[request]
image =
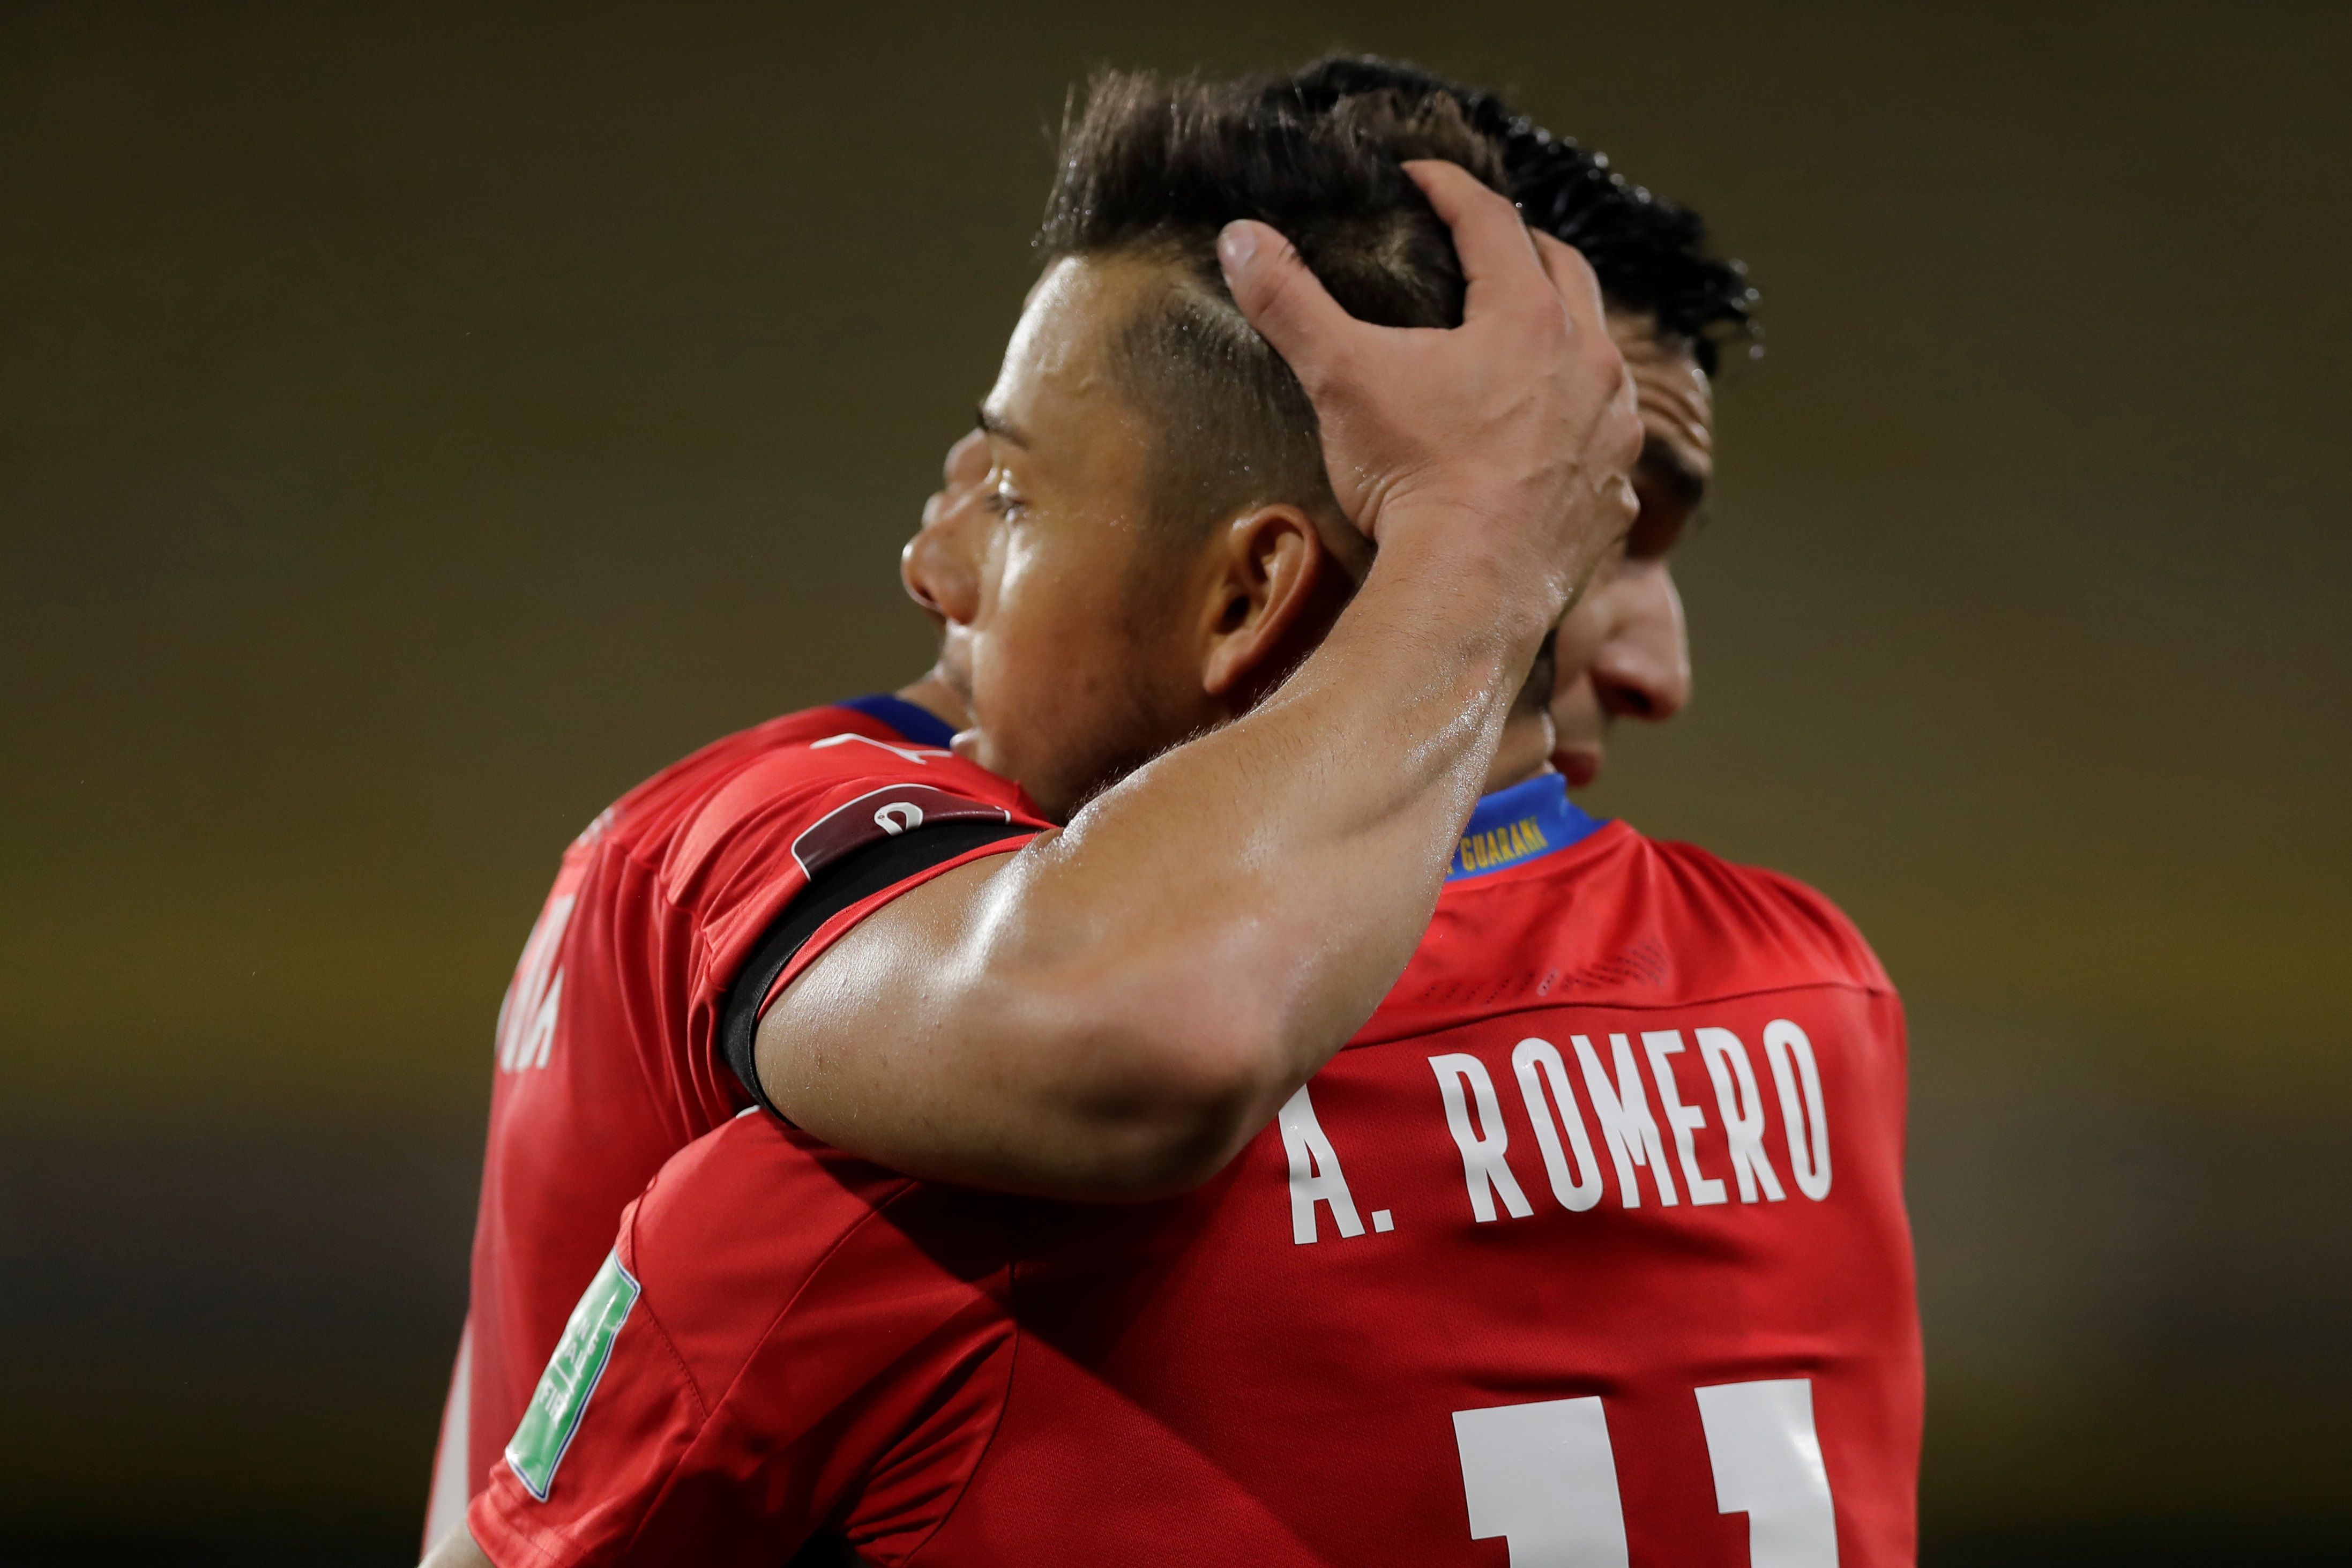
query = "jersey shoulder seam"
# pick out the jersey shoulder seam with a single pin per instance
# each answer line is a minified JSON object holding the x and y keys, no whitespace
{"x":700,"y":947}
{"x":633,"y":851}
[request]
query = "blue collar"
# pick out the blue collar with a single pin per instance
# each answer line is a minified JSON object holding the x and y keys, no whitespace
{"x":1518,"y":824}
{"x":919,"y":725}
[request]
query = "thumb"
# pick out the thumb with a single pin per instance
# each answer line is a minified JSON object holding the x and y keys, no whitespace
{"x":1285,"y":303}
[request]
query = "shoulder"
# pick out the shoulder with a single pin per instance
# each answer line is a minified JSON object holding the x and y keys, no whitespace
{"x":734,"y":1227}
{"x":814,"y":797}
{"x":718,"y":1201}
{"x":757,"y":1235}
{"x":1762,"y":912}
{"x":1621,"y":920}
{"x":784,"y":1337}
{"x":658,"y":806}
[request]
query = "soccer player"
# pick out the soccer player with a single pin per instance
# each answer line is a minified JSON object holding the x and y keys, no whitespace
{"x":1590,"y":1243}
{"x":594,"y":1089}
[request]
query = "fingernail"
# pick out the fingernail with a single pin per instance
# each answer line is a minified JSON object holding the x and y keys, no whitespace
{"x":1236,"y":245}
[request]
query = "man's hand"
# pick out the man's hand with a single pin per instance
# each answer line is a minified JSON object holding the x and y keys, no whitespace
{"x":1504,"y":443}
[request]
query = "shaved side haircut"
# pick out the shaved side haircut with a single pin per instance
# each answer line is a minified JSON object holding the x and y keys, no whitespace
{"x":1153,"y":169}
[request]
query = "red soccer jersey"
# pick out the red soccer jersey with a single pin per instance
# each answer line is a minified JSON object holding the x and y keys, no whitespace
{"x":607,"y":1061}
{"x":1589,"y":1250}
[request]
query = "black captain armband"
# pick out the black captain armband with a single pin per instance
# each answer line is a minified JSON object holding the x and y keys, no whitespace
{"x":856,"y":876}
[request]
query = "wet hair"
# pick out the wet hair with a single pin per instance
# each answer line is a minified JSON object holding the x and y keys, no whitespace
{"x":1154,"y":169}
{"x":1650,"y":255}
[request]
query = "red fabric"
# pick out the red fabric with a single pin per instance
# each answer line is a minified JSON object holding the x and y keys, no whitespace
{"x":653,"y":911}
{"x":956,"y":1380}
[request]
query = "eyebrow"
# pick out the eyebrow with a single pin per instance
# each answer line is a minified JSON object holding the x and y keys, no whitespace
{"x":1000,"y":428}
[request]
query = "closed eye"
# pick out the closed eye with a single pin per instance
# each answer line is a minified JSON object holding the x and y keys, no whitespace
{"x":1673,"y":496}
{"x":1003,"y":500}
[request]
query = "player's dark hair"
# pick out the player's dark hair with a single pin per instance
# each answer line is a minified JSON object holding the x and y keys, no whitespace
{"x":1650,"y":256}
{"x":1155,"y":168}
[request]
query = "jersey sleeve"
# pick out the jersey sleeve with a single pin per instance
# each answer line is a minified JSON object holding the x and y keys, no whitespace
{"x":805,"y":843}
{"x":785,"y":1342}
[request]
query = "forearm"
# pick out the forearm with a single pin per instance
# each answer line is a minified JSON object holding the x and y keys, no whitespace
{"x":1289,"y":860}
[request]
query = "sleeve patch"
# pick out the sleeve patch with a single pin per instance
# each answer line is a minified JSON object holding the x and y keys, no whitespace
{"x":880,"y":814}
{"x":556,"y":1405}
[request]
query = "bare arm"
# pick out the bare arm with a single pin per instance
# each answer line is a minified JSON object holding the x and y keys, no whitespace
{"x":458,"y":1550}
{"x":1113,"y":1010}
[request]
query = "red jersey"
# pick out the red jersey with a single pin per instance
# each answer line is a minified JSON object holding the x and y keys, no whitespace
{"x":1589,"y":1250}
{"x":607,"y":1056}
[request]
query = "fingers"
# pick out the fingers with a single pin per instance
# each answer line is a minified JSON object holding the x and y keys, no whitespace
{"x":1489,"y":236}
{"x":1580,"y":291}
{"x":1572,"y":276}
{"x":1285,"y":301}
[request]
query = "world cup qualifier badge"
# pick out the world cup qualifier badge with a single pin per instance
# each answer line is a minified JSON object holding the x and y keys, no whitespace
{"x":562,"y":1396}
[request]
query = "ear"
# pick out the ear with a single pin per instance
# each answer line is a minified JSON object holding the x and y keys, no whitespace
{"x":1273,"y":588}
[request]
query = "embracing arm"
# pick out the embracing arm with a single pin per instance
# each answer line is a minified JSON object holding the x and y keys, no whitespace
{"x":1116,"y":1009}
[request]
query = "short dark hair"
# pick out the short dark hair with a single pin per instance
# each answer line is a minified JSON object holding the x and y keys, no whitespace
{"x":1155,"y":168}
{"x":1650,"y":255}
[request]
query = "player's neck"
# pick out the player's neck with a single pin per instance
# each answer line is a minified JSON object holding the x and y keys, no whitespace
{"x":1525,"y":753}
{"x":934,"y":697}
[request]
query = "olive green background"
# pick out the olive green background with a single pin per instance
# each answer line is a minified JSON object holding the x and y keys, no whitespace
{"x":418,"y":423}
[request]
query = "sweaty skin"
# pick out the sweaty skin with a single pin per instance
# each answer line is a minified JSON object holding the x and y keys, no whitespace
{"x":1030,"y":1022}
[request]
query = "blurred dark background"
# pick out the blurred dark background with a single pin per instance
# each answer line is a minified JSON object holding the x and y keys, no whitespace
{"x":418,"y":423}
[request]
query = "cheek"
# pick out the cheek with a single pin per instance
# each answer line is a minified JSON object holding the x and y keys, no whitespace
{"x":1033,"y":615}
{"x":985,"y":642}
{"x":1033,"y":657}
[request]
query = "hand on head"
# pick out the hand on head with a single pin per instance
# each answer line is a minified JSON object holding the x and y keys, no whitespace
{"x":1505,"y":443}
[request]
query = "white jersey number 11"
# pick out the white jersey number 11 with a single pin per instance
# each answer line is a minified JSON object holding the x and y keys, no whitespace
{"x":1542,"y":1476}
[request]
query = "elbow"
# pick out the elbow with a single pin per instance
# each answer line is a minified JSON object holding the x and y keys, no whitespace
{"x":1186,"y":1121}
{"x":1170,"y":1095}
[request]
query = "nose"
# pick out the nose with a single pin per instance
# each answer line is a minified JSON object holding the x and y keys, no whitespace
{"x":938,"y":570}
{"x":937,"y":566}
{"x":1641,"y":668}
